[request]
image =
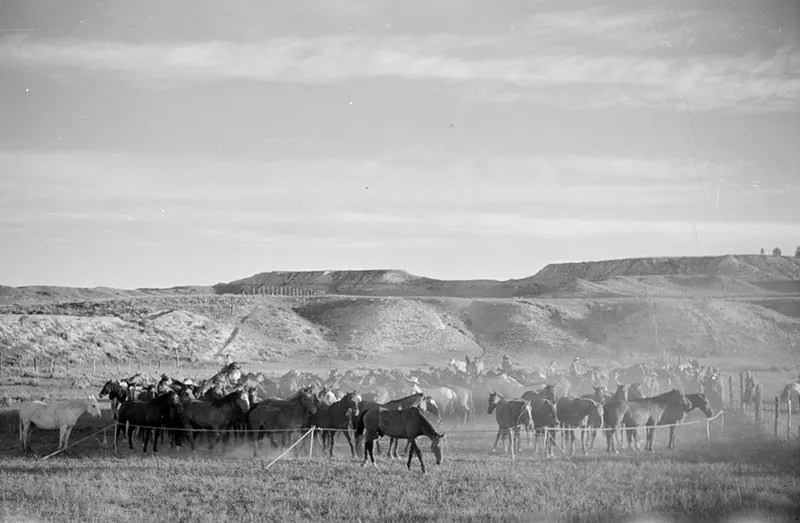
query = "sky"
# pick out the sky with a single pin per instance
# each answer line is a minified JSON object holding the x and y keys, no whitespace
{"x":162,"y":143}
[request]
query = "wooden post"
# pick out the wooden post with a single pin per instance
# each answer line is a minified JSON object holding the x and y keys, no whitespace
{"x":35,"y":368}
{"x":789,"y":417}
{"x":758,"y":405}
{"x":741,"y":391}
{"x":94,"y":366}
{"x":1,"y":363}
{"x":119,"y":372}
{"x":777,"y":414}
{"x":177,"y":358}
{"x":66,"y":365}
{"x":52,"y":366}
{"x":730,"y":393}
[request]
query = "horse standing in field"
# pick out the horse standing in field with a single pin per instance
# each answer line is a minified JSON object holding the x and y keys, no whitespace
{"x":510,"y":415}
{"x":545,"y":418}
{"x":117,"y":392}
{"x":409,"y":424}
{"x":335,"y":417}
{"x":61,"y":415}
{"x":791,"y":392}
{"x":650,"y":412}
{"x":579,"y":413}
{"x":148,"y":416}
{"x":283,"y":415}
{"x":547,"y":392}
{"x":216,"y":416}
{"x":675,"y":413}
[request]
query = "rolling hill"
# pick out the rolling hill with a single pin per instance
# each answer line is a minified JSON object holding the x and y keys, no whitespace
{"x":725,"y":306}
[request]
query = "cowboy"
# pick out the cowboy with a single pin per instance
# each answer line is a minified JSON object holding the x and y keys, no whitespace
{"x":574,"y":367}
{"x":506,"y":365}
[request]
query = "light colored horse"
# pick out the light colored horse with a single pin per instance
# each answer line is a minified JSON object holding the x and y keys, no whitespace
{"x":444,"y":397}
{"x":61,"y":415}
{"x":791,"y":391}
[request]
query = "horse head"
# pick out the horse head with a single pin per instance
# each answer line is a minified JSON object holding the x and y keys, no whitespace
{"x":307,"y":399}
{"x":700,"y":402}
{"x":92,"y":407}
{"x":494,"y":399}
{"x":242,"y":400}
{"x":106,"y":390}
{"x":436,"y":447}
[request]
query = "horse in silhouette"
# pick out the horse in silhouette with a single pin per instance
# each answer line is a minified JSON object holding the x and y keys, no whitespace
{"x":214,"y":416}
{"x":417,"y":400}
{"x":61,"y":415}
{"x":510,"y":416}
{"x":579,"y":413}
{"x":117,"y":392}
{"x":149,"y":417}
{"x":409,"y":424}
{"x":281,"y":415}
{"x":337,"y":416}
{"x":676,"y":412}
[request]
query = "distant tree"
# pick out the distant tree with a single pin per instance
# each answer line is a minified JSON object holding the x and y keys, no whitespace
{"x":762,"y":251}
{"x":797,"y":252}
{"x":776,"y":251}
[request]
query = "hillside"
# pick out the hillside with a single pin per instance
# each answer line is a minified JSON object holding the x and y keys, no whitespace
{"x":604,"y":311}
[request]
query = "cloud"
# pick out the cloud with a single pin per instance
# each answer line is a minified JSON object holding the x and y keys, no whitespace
{"x":501,"y":70}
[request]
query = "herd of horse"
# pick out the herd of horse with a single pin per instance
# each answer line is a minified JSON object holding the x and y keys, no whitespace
{"x":235,"y":407}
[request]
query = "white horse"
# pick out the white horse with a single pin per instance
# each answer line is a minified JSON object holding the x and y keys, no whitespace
{"x":61,"y":415}
{"x":791,"y":392}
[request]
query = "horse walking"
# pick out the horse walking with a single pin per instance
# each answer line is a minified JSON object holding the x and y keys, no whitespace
{"x":579,"y":413}
{"x":409,"y":424}
{"x":650,"y":412}
{"x":149,"y":416}
{"x":61,"y":415}
{"x":216,"y":416}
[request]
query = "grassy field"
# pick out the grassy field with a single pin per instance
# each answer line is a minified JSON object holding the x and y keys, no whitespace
{"x":742,"y":472}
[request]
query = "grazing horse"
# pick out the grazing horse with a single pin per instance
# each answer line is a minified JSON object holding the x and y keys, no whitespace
{"x":149,"y":416}
{"x":215,"y":415}
{"x":117,"y":392}
{"x":275,"y":414}
{"x":418,"y":400}
{"x":579,"y":413}
{"x":61,"y":415}
{"x":510,"y":415}
{"x":400,"y":424}
{"x":649,"y":412}
{"x":337,"y":416}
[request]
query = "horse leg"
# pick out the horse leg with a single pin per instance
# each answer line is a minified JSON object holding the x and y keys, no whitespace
{"x":671,"y":445}
{"x":651,"y":431}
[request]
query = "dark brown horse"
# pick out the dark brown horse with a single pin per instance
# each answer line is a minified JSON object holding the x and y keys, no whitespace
{"x":675,"y":413}
{"x":649,"y":412}
{"x":409,"y":424}
{"x":510,"y":416}
{"x":416,"y":400}
{"x":579,"y":413}
{"x":117,"y":392}
{"x":214,"y":416}
{"x":338,"y":416}
{"x":547,"y":392}
{"x":149,"y":417}
{"x":545,"y":418}
{"x":281,"y":415}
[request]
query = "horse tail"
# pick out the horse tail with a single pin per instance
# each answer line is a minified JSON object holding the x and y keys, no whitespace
{"x":360,"y":423}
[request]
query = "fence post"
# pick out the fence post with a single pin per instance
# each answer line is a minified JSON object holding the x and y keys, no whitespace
{"x":777,"y":414}
{"x":730,"y":393}
{"x":311,"y":445}
{"x":94,"y":366}
{"x":741,"y":391}
{"x":177,"y":358}
{"x":119,"y":371}
{"x":52,"y":366}
{"x":789,"y":417}
{"x":758,"y":405}
{"x":1,"y":363}
{"x":35,"y":368}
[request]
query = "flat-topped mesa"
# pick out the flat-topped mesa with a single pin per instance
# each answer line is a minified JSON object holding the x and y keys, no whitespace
{"x":747,"y":267}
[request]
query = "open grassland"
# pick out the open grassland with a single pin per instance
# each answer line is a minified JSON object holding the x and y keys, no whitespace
{"x":742,"y":472}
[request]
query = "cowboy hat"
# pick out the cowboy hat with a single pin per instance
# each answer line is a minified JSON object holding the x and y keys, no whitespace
{"x":413,"y":379}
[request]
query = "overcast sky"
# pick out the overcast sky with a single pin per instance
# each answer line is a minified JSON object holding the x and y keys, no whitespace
{"x":157,"y":143}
